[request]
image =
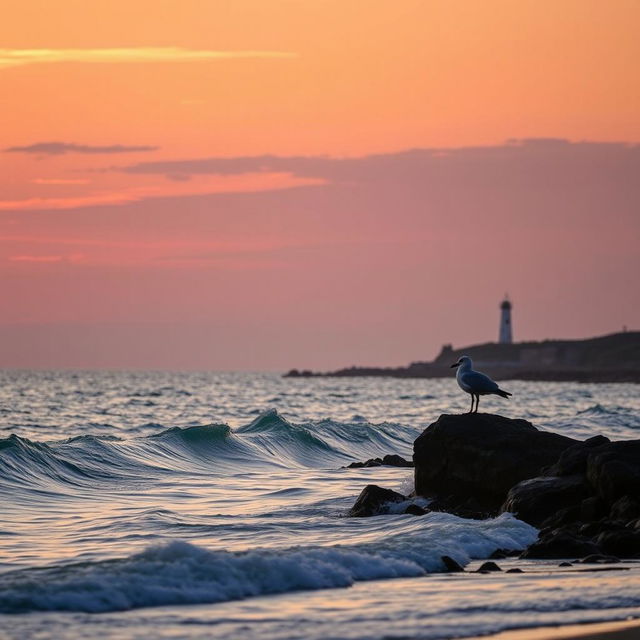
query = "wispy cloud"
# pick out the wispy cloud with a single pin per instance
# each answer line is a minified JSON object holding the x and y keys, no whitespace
{"x":245,"y":183}
{"x":60,"y":181}
{"x":20,"y":57}
{"x":60,"y":148}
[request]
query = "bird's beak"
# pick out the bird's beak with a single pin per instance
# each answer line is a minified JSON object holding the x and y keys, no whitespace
{"x":454,"y":365}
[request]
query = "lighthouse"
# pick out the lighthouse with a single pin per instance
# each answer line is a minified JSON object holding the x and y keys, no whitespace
{"x":506,"y":336}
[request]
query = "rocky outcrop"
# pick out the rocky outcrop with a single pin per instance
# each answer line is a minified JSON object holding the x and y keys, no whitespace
{"x":583,"y":496}
{"x":374,"y":500}
{"x":469,"y":462}
{"x":587,"y":502}
{"x":538,"y":499}
{"x":390,"y":460}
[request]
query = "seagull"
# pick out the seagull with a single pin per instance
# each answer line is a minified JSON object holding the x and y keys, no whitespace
{"x":475,"y":383}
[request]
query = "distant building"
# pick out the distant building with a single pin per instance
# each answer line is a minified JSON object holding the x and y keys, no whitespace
{"x":506,"y":334}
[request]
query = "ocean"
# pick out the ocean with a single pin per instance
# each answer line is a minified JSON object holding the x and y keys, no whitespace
{"x":213,"y":505}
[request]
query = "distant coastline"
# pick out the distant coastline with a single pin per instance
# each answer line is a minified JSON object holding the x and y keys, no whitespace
{"x":609,"y":358}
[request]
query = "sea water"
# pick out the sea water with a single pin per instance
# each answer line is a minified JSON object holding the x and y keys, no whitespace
{"x":207,"y":505}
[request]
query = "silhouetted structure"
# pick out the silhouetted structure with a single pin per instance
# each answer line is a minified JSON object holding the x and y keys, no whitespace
{"x":506,"y":333}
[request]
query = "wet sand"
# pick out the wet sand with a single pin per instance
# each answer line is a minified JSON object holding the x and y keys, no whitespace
{"x":624,"y":630}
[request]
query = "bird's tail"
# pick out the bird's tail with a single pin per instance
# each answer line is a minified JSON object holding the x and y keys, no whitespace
{"x":504,"y":394}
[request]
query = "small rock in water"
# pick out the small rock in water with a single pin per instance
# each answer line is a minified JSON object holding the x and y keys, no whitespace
{"x":514,"y":570}
{"x":566,"y":564}
{"x":451,"y":565}
{"x":373,"y":500}
{"x":489,"y":566}
{"x":416,"y":510}
{"x":501,"y":554}
{"x":599,"y":559}
{"x":393,"y":460}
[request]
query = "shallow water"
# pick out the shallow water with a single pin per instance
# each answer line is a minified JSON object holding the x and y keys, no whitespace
{"x":221,"y":497}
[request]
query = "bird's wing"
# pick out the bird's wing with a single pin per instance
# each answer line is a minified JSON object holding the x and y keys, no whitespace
{"x":478,"y":382}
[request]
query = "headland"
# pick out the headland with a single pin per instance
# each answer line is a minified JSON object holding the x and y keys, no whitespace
{"x":609,"y":358}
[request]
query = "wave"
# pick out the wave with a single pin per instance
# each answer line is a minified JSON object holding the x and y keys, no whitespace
{"x":268,"y":441}
{"x":182,"y":573}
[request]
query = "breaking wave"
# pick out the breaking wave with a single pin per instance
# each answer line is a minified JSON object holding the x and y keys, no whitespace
{"x":270,"y":440}
{"x":183,"y":573}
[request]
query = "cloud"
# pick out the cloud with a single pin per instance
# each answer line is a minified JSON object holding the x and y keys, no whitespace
{"x":60,"y":181}
{"x":524,"y":154}
{"x":244,"y":183}
{"x":60,"y":148}
{"x":21,"y":57}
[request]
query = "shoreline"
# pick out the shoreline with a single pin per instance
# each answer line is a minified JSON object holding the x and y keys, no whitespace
{"x":628,"y":629}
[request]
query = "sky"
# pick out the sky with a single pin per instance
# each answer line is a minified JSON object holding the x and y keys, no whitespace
{"x":268,"y":184}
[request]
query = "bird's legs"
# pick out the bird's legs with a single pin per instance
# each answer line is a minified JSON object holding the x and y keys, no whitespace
{"x":477,"y":401}
{"x":472,"y":400}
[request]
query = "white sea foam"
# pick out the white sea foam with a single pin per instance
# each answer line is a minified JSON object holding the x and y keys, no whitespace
{"x":183,"y":573}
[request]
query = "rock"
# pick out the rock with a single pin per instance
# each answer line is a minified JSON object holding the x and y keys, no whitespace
{"x":416,"y":510}
{"x":600,"y":559}
{"x":592,"y":508}
{"x":481,"y":456}
{"x":566,"y":564}
{"x":393,"y":460}
{"x":625,"y":508}
{"x":514,"y":570}
{"x":390,"y":460}
{"x":592,"y":529}
{"x":613,"y":470}
{"x":624,"y":543}
{"x":563,"y":518}
{"x":489,"y":566}
{"x":573,"y":460}
{"x":371,"y":462}
{"x":538,"y":499}
{"x":501,"y":554}
{"x":451,"y":565}
{"x":373,"y":500}
{"x":561,"y":545}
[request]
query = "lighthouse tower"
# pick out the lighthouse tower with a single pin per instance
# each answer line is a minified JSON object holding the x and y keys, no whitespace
{"x":506,"y":336}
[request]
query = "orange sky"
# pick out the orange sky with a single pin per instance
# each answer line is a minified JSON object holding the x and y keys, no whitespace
{"x":121,"y":83}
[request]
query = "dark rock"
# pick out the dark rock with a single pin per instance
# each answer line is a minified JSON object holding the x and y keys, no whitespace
{"x":514,"y":570}
{"x":489,"y":566}
{"x":573,"y":460}
{"x":625,"y":508}
{"x":451,"y":565}
{"x":538,"y":499}
{"x":613,"y":470}
{"x":481,"y":456}
{"x":416,"y":510}
{"x":561,"y":545}
{"x":469,"y":508}
{"x":624,"y":543}
{"x":566,"y":564}
{"x":592,"y":508}
{"x":373,"y":500}
{"x":600,"y":559}
{"x":572,"y":529}
{"x":592,"y":529}
{"x":563,"y":518}
{"x":390,"y":460}
{"x":393,"y":460}
{"x":501,"y":554}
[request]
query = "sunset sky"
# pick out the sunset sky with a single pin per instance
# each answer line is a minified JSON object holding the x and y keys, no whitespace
{"x":263,"y":184}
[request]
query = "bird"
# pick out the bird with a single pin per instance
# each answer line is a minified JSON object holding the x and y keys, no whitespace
{"x":476,"y":384}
